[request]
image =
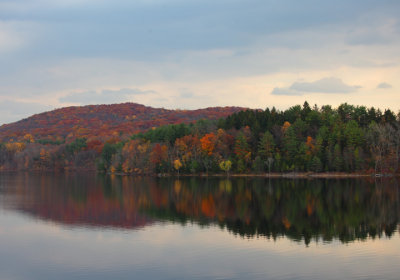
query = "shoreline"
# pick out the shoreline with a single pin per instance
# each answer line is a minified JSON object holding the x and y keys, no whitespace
{"x":291,"y":175}
{"x":296,"y":175}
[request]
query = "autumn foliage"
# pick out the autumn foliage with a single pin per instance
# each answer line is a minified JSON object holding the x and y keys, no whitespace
{"x":207,"y":143}
{"x":102,"y":121}
{"x":300,"y":139}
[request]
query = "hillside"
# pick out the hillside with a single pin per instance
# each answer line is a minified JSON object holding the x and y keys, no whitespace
{"x":104,"y":120}
{"x":349,"y":139}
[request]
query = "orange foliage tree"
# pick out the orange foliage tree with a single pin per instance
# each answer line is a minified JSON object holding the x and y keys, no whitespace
{"x":208,"y":143}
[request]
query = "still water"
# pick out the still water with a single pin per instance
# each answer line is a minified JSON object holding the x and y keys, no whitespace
{"x":71,"y":226}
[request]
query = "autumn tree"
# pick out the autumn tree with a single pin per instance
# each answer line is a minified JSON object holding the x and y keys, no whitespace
{"x":225,"y":165}
{"x":28,"y":138}
{"x":177,"y":165}
{"x":224,"y":143}
{"x":135,"y":157}
{"x":159,"y":156}
{"x":208,"y":143}
{"x":207,"y":146}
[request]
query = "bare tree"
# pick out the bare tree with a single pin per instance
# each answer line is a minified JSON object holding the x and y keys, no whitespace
{"x":377,"y":138}
{"x":269,"y":163}
{"x":394,"y":143}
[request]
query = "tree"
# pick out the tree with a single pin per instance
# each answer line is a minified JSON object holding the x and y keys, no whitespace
{"x":378,"y":142}
{"x":358,"y":158}
{"x":76,"y":146}
{"x":177,"y":165}
{"x":106,"y":155}
{"x":225,"y":165}
{"x":208,"y":144}
{"x":394,"y":136}
{"x":159,"y":155}
{"x":290,"y":146}
{"x":353,"y":134}
{"x":258,"y":165}
{"x":29,"y":138}
{"x":337,"y":158}
{"x":266,"y":146}
{"x":316,"y":164}
{"x":224,"y":143}
{"x":310,"y":149}
{"x":44,"y":159}
{"x":269,"y":162}
{"x":135,"y":156}
{"x":187,"y":148}
{"x":242,"y":151}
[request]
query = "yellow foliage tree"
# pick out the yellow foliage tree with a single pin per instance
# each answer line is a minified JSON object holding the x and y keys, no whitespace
{"x":15,"y":147}
{"x":225,"y":165}
{"x":29,"y":138}
{"x":177,"y":165}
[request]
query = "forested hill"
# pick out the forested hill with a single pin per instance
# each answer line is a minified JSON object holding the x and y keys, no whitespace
{"x":302,"y":138}
{"x":103,"y":120}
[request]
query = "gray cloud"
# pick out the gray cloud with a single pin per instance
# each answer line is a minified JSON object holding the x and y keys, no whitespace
{"x":186,"y":93}
{"x":11,"y":111}
{"x":52,"y":47}
{"x":286,"y":91}
{"x":325,"y":85}
{"x":152,"y":29}
{"x":102,"y":97}
{"x":384,"y":85}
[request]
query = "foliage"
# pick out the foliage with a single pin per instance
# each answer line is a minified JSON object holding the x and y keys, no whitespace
{"x":76,"y":146}
{"x":108,"y":121}
{"x":344,"y":139}
{"x":225,"y":165}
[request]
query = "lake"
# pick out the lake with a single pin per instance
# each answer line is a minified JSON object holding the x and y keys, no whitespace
{"x":88,"y":226}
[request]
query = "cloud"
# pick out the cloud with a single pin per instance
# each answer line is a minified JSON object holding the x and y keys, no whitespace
{"x":384,"y":85}
{"x":11,"y":111}
{"x":286,"y":91}
{"x":153,"y":29}
{"x":51,"y":48}
{"x":103,"y":97}
{"x":186,"y":93}
{"x":15,"y":35}
{"x":325,"y":85}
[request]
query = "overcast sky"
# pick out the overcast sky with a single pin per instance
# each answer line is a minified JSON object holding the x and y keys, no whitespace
{"x":193,"y":54}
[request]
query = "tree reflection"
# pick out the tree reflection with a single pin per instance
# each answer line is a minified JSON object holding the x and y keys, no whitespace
{"x":302,"y":210}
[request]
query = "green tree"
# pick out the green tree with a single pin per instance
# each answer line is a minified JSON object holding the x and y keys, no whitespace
{"x":316,"y":164}
{"x":242,"y":150}
{"x":290,"y":146}
{"x":266,"y":146}
{"x":107,"y":155}
{"x":337,"y":158}
{"x":258,"y":164}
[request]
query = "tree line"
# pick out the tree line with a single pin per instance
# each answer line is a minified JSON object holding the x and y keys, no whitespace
{"x":300,"y":139}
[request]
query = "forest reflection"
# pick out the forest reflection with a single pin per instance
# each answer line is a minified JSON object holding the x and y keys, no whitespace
{"x":301,"y":210}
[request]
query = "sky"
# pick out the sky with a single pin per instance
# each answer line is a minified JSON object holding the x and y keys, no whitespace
{"x":189,"y":54}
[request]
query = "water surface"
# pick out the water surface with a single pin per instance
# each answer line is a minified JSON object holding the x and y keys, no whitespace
{"x":71,"y":226}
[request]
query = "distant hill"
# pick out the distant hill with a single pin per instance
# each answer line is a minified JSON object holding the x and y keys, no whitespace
{"x":104,"y":120}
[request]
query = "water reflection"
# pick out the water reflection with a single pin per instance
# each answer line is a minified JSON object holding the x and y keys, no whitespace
{"x":301,"y":210}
